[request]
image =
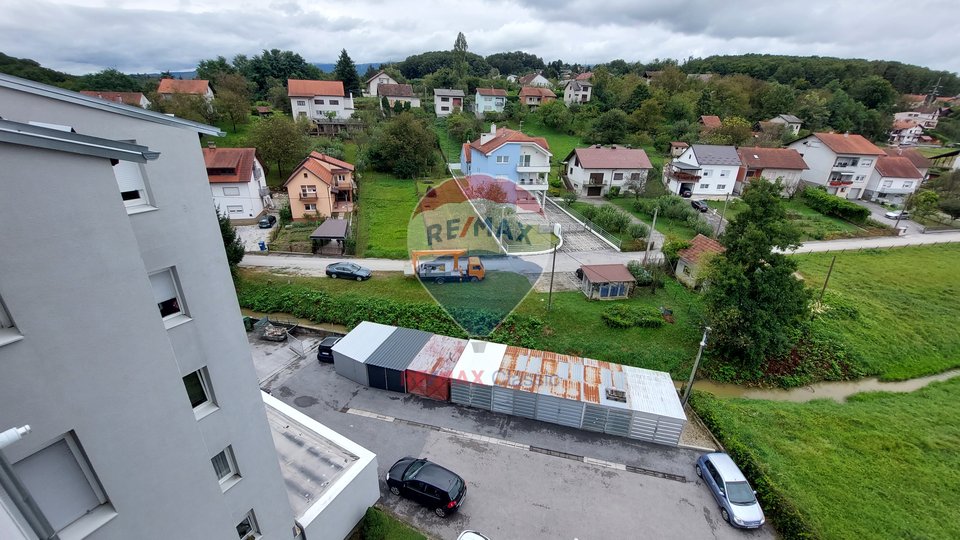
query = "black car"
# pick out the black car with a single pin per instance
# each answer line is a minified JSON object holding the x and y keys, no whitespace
{"x":699,"y":205}
{"x":685,"y":193}
{"x":348,"y":270}
{"x":325,"y":351}
{"x":267,"y":221}
{"x":429,"y":484}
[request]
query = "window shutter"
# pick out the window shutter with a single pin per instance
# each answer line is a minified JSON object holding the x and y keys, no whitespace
{"x":128,"y":176}
{"x":58,"y":484}
{"x":163,"y":286}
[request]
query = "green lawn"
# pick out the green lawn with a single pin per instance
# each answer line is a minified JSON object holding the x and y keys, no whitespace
{"x":673,"y":229}
{"x":448,"y":147}
{"x":882,"y":465}
{"x":293,"y":237}
{"x":380,"y":525}
{"x":385,"y":206}
{"x":904,"y":304}
{"x":812,"y":224}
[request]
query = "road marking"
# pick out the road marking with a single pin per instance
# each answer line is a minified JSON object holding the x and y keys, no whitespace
{"x":368,"y":414}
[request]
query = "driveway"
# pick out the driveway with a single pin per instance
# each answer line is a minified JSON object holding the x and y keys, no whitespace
{"x":251,"y":235}
{"x":526,"y":479}
{"x":877,"y":211}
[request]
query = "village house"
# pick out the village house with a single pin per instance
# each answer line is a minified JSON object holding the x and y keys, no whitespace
{"x":397,"y":92}
{"x":509,"y":155}
{"x":784,"y":164}
{"x":237,"y":182}
{"x":893,"y":180}
{"x":677,"y":148}
{"x":692,"y":259}
{"x":709,"y":122}
{"x":790,"y":122}
{"x":594,"y":170}
{"x":534,"y":96}
{"x":322,"y":102}
{"x":195,"y":87}
{"x":447,"y":101}
{"x":490,"y":100}
{"x":920,"y":161}
{"x":704,"y":171}
{"x":841,"y":162}
{"x":905,"y":132}
{"x":534,"y":79}
{"x":577,"y":91}
{"x":136,"y":99}
{"x":373,"y":82}
{"x":321,"y":186}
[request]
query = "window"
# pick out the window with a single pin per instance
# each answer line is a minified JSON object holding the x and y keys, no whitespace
{"x":310,"y":208}
{"x":63,"y":484}
{"x":503,"y":159}
{"x":618,"y":176}
{"x":167,"y":294}
{"x":866,"y":162}
{"x":707,"y":172}
{"x":888,"y":183}
{"x":570,"y":171}
{"x":248,"y":527}
{"x":225,"y":467}
{"x":318,"y":102}
{"x":231,"y":192}
{"x":302,"y":102}
{"x":334,"y":101}
{"x":721,"y":186}
{"x":199,"y":392}
{"x":704,"y":186}
{"x":860,"y":178}
{"x":445,"y":99}
{"x":234,"y":210}
{"x":444,"y":108}
{"x":302,"y":114}
{"x":724,"y":173}
{"x":130,"y":181}
{"x":907,"y":185}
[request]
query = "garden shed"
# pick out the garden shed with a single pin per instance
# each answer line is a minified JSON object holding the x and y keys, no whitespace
{"x":606,"y":281}
{"x":471,"y":382}
{"x":428,"y":374}
{"x":691,"y":259}
{"x":351,"y":352}
{"x":387,"y":364}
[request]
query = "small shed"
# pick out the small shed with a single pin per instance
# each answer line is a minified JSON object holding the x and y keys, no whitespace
{"x":387,"y":364}
{"x":606,"y":281}
{"x":677,"y":148}
{"x":330,"y":232}
{"x":471,"y":382}
{"x":428,"y":374}
{"x":351,"y":352}
{"x":691,"y":258}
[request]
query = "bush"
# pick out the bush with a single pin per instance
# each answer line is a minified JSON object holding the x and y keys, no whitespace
{"x":643,"y":276}
{"x":670,"y":250}
{"x":613,"y":193}
{"x":286,"y":215}
{"x":611,"y":219}
{"x":626,"y":316}
{"x":638,"y":231}
{"x":569,"y":197}
{"x":589,"y":212}
{"x":831,"y":205}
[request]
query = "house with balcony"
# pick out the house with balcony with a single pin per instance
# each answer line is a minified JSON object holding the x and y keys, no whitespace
{"x":705,"y":171}
{"x":841,"y":162}
{"x":534,"y":96}
{"x":137,"y":99}
{"x":784,"y":164}
{"x":194,"y":87}
{"x":490,"y":100}
{"x":322,"y":102}
{"x":237,"y":182}
{"x":905,"y":133}
{"x":374,"y":82}
{"x":928,"y":120}
{"x":790,"y":123}
{"x":593,"y":171}
{"x":446,"y":101}
{"x":577,"y":91}
{"x":321,"y":186}
{"x":509,"y":155}
{"x":397,"y":92}
{"x":893,"y":180}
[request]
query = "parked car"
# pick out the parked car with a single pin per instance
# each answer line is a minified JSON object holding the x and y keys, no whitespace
{"x":738,"y":501}
{"x":429,"y":484}
{"x":325,"y":350}
{"x":471,"y":535}
{"x":348,"y":270}
{"x":894,"y":214}
{"x":268,"y":221}
{"x":686,"y":193}
{"x":700,"y":206}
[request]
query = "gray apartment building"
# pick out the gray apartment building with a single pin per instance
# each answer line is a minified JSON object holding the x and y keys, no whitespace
{"x":121,"y":344}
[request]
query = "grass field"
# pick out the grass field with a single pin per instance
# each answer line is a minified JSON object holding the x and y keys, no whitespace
{"x":448,"y":147}
{"x":813,"y":225}
{"x":385,"y":206}
{"x":380,"y":525}
{"x":671,"y":228}
{"x":882,"y":465}
{"x":904,"y":300}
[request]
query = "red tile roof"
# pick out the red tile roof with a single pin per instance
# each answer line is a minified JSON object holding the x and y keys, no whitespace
{"x":492,"y":92}
{"x":129,"y":98}
{"x":505,"y":136}
{"x":183,"y":86}
{"x":612,"y":157}
{"x":336,"y":163}
{"x":527,"y":79}
{"x":897,"y":167}
{"x":301,"y":88}
{"x":536,"y":91}
{"x":848,"y":143}
{"x":700,"y":246}
{"x":710,"y":121}
{"x":679,"y":144}
{"x":585,"y":76}
{"x":771,"y":158}
{"x":395,"y":90}
{"x":919,"y":160}
{"x":607,"y":273}
{"x":238,"y":159}
{"x":321,"y":165}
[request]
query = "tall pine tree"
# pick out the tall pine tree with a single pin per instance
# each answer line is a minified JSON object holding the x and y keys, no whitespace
{"x":346,"y":71}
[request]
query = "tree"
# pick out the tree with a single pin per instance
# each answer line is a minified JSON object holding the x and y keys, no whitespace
{"x":231,"y":241}
{"x":210,"y":69}
{"x":754,"y":303}
{"x":278,"y":140}
{"x":516,"y":63}
{"x":951,"y":207}
{"x":188,"y":106}
{"x":924,"y":204}
{"x":346,"y":71}
{"x":269,"y":66}
{"x":460,"y":52}
{"x":463,"y":127}
{"x":610,"y":128}
{"x":110,"y":80}
{"x":404,"y":146}
{"x":640,"y":94}
{"x":774,"y":99}
{"x":233,"y":97}
{"x":556,"y":115}
{"x":874,"y":92}
{"x":635,"y":185}
{"x":733,"y":131}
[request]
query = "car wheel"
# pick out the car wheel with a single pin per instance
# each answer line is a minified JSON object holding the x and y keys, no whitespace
{"x":334,"y":276}
{"x":725,"y":515}
{"x":439,"y":281}
{"x":395,"y":490}
{"x":440,"y":511}
{"x":699,"y":471}
{"x":359,"y":278}
{"x":474,"y":279}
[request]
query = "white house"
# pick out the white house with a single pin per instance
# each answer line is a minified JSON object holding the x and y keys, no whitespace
{"x":137,"y":99}
{"x":790,"y":122}
{"x":534,"y":79}
{"x":446,"y":101}
{"x":577,"y":91}
{"x":905,"y":132}
{"x":398,"y":92}
{"x":594,"y":170}
{"x":197,"y":87}
{"x":237,"y":182}
{"x":704,"y":171}
{"x":841,"y":162}
{"x":373,"y":82}
{"x":785,"y":164}
{"x":893,"y":180}
{"x":920,"y":161}
{"x":319,"y":100}
{"x":509,"y":155}
{"x":926,"y":119}
{"x":490,"y":100}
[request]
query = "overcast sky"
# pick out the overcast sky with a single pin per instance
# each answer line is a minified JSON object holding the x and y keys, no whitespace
{"x":81,"y":36}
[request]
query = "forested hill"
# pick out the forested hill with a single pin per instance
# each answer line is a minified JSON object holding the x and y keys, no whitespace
{"x":818,"y":71}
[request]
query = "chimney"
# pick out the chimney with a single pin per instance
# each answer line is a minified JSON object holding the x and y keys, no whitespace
{"x":487,"y":137}
{"x":211,"y":144}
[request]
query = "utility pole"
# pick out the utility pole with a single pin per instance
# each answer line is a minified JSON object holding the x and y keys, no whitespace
{"x":696,"y":364}
{"x":719,"y":223}
{"x":553,"y":267}
{"x":827,"y":280}
{"x":653,"y":227}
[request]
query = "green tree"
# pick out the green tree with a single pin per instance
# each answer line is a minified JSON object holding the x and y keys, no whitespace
{"x":231,"y":241}
{"x":951,"y":207}
{"x":346,"y":71}
{"x":278,"y":139}
{"x":274,"y":65}
{"x":924,"y":204}
{"x":110,"y":80}
{"x":774,"y":99}
{"x":463,"y":127}
{"x":403,"y":146}
{"x":210,"y":69}
{"x":754,"y":303}
{"x":460,"y":52}
{"x":733,"y":131}
{"x":640,"y":94}
{"x":188,"y":106}
{"x":555,"y":115}
{"x":233,"y":98}
{"x":610,"y":128}
{"x":874,"y":92}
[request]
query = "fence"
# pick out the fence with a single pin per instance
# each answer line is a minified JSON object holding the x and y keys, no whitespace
{"x":587,"y":225}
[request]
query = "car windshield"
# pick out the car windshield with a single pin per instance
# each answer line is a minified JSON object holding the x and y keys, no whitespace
{"x":456,"y":489}
{"x":740,"y":493}
{"x":413,"y":469}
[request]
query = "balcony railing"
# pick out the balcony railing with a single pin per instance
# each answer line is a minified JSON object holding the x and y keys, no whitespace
{"x":681,"y":176}
{"x":308,"y":196}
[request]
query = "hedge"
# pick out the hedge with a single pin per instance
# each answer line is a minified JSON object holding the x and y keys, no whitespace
{"x":623,"y":316}
{"x":831,"y":205}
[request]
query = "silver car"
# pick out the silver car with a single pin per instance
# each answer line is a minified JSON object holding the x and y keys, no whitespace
{"x":737,"y":500}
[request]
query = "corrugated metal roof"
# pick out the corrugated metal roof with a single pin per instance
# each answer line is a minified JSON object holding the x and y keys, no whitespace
{"x":398,"y":350}
{"x":438,"y":356}
{"x":363,"y":340}
{"x":653,"y":392}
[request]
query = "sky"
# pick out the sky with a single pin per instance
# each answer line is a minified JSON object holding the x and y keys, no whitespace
{"x":149,"y":36}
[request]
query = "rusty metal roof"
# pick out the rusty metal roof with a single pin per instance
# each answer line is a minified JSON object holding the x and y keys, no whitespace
{"x":438,"y":356}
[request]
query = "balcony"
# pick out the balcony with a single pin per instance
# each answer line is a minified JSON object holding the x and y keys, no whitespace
{"x":343,"y":206}
{"x":531,"y":168}
{"x":533,"y":183}
{"x":840,"y":180}
{"x":341,"y":185}
{"x":681,"y":176}
{"x":308,"y":195}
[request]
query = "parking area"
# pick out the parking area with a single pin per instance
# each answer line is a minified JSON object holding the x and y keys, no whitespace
{"x":250,"y":235}
{"x":525,"y":479}
{"x":877,"y":211}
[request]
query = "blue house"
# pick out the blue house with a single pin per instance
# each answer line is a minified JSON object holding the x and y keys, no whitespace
{"x":509,"y":155}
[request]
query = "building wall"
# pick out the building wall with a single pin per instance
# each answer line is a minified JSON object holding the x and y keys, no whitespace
{"x":569,"y":96}
{"x":581,"y":177}
{"x":821,"y":161}
{"x":413,"y":101}
{"x":75,"y":280}
{"x":380,"y":79}
{"x":308,"y":108}
{"x":481,"y":164}
{"x":246,"y":204}
{"x":438,"y":103}
{"x":324,"y":201}
{"x":896,"y":193}
{"x":486,"y":104}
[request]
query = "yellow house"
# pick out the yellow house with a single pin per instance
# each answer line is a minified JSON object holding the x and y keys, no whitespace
{"x":320,"y":186}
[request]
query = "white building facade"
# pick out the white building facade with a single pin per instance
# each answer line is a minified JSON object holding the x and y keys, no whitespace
{"x":577,"y":92}
{"x":490,"y":100}
{"x":446,"y":101}
{"x":319,"y":100}
{"x":237,"y":182}
{"x":595,"y":170}
{"x":703,"y":171}
{"x":841,"y":162}
{"x":893,"y":180}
